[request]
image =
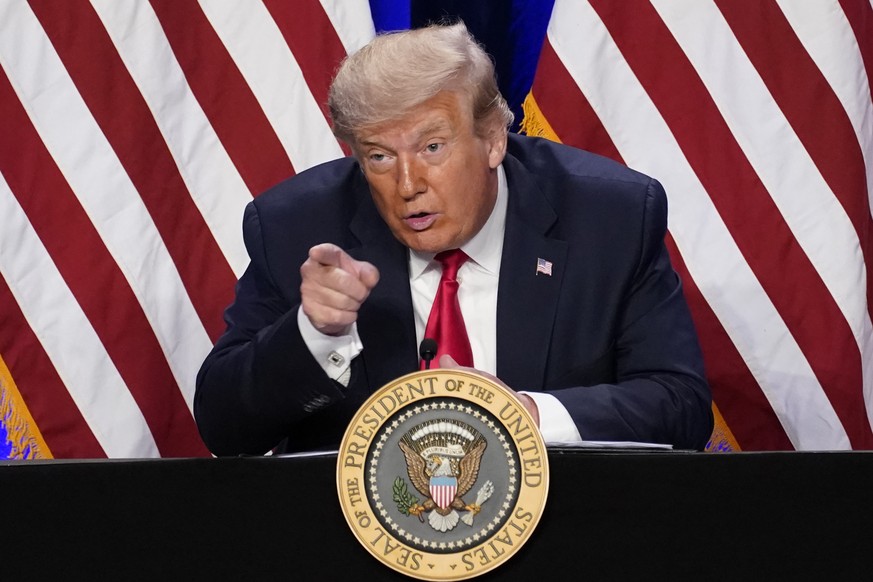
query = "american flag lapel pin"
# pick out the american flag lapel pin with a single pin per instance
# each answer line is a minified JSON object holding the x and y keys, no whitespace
{"x":544,"y":267}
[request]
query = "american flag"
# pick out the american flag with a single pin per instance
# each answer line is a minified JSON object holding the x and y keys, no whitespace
{"x":756,"y":116}
{"x":544,"y":267}
{"x":133,"y":134}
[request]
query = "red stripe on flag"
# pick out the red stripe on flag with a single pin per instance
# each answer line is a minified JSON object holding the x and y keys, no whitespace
{"x":806,"y":98}
{"x":781,"y":266}
{"x":119,"y":109}
{"x":97,"y":284}
{"x":745,"y":408}
{"x":859,"y":13}
{"x":65,"y":431}
{"x":226,"y":99}
{"x":734,"y":389}
{"x":567,"y":109}
{"x":311,"y":37}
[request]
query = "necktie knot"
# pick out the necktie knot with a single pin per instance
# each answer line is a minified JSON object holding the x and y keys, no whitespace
{"x":451,"y":261}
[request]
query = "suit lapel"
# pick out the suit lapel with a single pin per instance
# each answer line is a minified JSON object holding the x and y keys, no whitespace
{"x":385,"y":321}
{"x":527,"y":300}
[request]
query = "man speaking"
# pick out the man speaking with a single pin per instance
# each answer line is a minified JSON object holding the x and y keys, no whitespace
{"x":537,"y":263}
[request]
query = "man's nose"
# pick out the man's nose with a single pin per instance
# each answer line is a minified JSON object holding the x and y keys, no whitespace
{"x":411,"y":178}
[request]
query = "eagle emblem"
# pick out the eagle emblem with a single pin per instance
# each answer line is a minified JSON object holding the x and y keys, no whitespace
{"x":442,"y":460}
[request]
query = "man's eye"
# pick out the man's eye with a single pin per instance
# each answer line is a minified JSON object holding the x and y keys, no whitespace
{"x":434,"y":147}
{"x":377,"y":157}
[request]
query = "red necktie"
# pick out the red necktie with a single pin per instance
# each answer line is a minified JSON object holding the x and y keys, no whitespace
{"x":445,"y":323}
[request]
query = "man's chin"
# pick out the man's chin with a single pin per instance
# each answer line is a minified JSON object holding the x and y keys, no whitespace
{"x":426,"y":242}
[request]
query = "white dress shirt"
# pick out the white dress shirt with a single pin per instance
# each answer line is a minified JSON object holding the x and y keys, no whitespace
{"x":477,"y":295}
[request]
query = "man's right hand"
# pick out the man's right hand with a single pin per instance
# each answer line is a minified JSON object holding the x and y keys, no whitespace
{"x":333,"y":288}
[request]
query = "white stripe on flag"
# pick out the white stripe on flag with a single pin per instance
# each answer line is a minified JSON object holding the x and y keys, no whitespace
{"x":207,"y":170}
{"x":646,"y":143}
{"x":259,"y":50}
{"x":829,"y":39}
{"x":65,"y":333}
{"x":816,"y":218}
{"x":104,"y":189}
{"x":352,"y":21}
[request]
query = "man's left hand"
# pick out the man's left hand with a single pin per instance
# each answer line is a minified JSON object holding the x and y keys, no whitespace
{"x":447,"y":361}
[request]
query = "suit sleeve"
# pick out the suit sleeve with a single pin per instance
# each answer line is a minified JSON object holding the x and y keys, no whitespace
{"x":260,"y":378}
{"x":660,"y":393}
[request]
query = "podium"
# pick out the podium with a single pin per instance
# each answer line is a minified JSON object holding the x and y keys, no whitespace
{"x":611,"y":515}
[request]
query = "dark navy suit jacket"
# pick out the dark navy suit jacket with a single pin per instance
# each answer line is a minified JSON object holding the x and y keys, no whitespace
{"x":608,"y":333}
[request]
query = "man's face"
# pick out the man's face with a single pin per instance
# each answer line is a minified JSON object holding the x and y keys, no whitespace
{"x":432,"y":178}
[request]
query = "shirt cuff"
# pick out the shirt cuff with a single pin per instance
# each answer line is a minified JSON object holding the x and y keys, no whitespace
{"x":333,"y":353}
{"x":556,"y":424}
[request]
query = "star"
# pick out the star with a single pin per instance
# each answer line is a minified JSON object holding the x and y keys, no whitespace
{"x":416,"y":540}
{"x":442,"y":405}
{"x":452,"y":406}
{"x":417,"y":409}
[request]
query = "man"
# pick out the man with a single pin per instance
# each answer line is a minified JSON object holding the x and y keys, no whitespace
{"x":568,"y":295}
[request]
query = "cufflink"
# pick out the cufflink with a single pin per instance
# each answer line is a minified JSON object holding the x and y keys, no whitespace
{"x":336,"y":359}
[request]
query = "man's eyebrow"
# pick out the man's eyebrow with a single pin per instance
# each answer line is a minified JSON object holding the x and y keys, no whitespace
{"x":439,"y":125}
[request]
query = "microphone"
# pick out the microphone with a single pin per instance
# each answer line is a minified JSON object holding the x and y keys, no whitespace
{"x":427,"y":350}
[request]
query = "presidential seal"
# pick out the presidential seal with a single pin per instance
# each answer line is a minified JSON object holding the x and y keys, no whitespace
{"x":442,"y":475}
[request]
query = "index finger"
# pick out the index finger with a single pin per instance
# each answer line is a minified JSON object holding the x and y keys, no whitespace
{"x":327,"y":254}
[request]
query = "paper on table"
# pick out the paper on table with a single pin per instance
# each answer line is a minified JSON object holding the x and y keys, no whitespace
{"x":607,"y":445}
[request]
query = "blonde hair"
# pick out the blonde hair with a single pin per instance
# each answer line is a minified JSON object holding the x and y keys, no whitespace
{"x":398,"y":71}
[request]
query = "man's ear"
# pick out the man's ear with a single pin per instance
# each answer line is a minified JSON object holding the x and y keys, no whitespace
{"x":497,"y":146}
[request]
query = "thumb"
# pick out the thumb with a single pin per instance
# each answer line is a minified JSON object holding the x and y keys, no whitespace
{"x":447,"y":361}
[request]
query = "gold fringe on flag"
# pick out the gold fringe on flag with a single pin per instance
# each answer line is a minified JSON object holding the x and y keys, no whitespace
{"x":534,"y":123}
{"x":722,"y":439}
{"x":22,"y":432}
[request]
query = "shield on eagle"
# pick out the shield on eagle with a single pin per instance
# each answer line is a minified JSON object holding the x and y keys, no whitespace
{"x":443,"y":489}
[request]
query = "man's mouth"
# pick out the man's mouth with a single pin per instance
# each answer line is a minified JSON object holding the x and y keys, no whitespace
{"x":420,"y":221}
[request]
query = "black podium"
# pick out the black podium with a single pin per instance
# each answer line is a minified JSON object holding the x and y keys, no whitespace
{"x":610,"y":516}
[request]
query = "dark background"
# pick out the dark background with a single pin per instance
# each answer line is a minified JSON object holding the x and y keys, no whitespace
{"x":512,"y":31}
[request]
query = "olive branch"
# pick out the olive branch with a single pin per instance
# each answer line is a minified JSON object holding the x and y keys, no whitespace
{"x":402,"y":497}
